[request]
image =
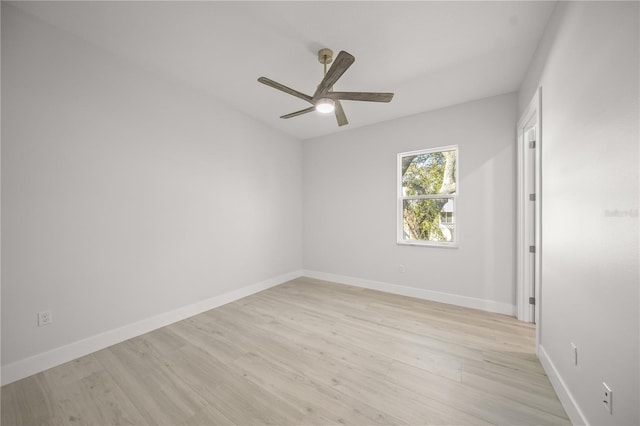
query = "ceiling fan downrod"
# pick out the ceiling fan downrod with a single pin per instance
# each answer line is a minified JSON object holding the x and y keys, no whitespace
{"x":325,"y":105}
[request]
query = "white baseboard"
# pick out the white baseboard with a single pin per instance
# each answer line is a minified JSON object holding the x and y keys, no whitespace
{"x":43,"y":361}
{"x":436,"y":296}
{"x":568,"y":402}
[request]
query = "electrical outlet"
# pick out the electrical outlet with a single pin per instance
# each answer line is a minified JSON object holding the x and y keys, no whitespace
{"x":44,"y":318}
{"x":607,"y":397}
{"x":574,"y":354}
{"x":401,"y":269}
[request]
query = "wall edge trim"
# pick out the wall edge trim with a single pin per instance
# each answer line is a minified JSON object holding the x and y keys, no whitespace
{"x":566,"y":398}
{"x":436,"y":296}
{"x":34,"y":364}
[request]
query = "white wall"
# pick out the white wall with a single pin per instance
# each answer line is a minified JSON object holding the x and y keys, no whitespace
{"x":350,"y":206}
{"x":587,"y":66}
{"x":126,"y":195}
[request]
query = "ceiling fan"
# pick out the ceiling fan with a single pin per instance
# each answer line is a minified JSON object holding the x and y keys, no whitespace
{"x":325,"y":100}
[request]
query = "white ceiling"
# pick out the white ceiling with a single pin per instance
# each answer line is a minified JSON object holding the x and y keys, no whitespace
{"x":431,"y":54}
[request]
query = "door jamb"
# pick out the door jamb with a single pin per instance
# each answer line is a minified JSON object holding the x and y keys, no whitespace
{"x":533,"y":112}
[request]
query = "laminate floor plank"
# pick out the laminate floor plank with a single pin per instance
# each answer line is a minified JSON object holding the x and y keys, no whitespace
{"x":228,"y":390}
{"x":159,"y":394}
{"x":318,"y":399}
{"x":307,"y":352}
{"x":480,"y":403}
{"x":27,"y":402}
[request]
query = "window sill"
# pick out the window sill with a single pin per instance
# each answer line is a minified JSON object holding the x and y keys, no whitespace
{"x":428,"y":244}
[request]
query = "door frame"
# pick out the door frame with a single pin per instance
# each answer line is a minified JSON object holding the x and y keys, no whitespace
{"x":531,"y":116}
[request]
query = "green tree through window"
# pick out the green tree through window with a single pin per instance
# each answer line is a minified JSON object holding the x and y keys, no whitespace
{"x":427,"y":193}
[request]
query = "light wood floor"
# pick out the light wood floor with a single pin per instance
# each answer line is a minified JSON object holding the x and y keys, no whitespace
{"x":306,"y":352}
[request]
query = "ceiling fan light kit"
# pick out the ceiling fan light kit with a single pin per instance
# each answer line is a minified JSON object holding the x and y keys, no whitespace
{"x":325,"y":100}
{"x":325,"y":105}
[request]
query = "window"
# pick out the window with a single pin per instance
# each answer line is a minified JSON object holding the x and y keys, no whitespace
{"x":427,"y":192}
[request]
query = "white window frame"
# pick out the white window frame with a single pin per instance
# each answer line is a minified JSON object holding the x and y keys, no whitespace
{"x":401,"y":198}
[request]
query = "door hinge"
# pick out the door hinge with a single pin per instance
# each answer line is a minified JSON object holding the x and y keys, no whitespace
{"x":532,"y":197}
{"x":532,"y":144}
{"x":532,"y":249}
{"x":532,"y":300}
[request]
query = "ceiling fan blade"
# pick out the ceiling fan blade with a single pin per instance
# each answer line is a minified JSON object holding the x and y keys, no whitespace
{"x":342,"y":62}
{"x":282,"y":87}
{"x":360,"y":96}
{"x":340,"y":116}
{"x":297,"y":113}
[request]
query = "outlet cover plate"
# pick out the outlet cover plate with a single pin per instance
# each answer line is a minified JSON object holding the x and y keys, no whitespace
{"x":44,"y":318}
